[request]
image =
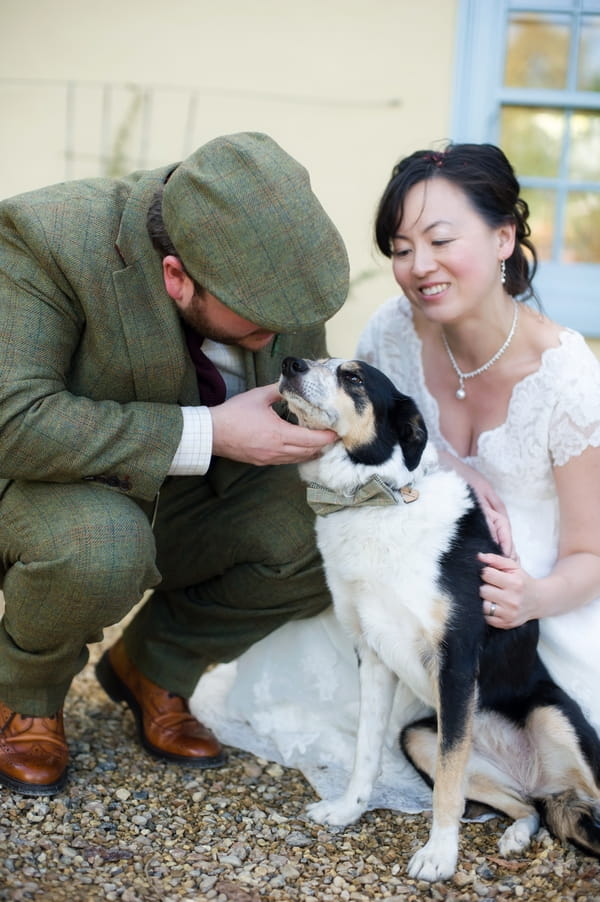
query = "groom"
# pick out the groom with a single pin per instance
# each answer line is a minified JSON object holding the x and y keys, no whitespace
{"x":143,"y":322}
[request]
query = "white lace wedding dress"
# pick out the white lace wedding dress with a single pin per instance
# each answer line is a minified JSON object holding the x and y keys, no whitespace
{"x":293,"y":698}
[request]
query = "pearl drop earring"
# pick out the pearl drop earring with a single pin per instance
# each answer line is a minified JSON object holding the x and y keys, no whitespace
{"x":503,"y":271}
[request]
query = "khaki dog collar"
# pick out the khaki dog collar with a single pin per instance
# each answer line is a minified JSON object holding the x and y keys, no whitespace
{"x":375,"y":493}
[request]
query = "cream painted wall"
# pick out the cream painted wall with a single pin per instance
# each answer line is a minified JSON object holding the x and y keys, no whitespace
{"x":346,"y":86}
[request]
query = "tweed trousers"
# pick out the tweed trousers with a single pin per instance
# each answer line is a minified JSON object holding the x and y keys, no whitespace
{"x":232,"y":556}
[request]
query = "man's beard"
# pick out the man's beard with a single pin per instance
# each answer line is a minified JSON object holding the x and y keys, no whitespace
{"x":197,"y":321}
{"x":195,"y":316}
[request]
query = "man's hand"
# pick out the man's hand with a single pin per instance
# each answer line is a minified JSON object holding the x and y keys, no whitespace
{"x":246,"y":428}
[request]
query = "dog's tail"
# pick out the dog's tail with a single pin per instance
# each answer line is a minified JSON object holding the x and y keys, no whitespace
{"x":572,"y":819}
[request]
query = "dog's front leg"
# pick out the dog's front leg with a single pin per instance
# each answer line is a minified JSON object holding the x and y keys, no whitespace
{"x":437,"y":859}
{"x":377,"y":684}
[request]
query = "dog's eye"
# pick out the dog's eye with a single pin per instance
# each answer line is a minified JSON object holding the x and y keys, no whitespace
{"x":353,"y":378}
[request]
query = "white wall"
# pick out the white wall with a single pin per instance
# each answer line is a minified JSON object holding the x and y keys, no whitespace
{"x":346,"y":86}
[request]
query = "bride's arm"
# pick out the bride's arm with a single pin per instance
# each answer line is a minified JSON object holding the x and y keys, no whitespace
{"x":491,"y":503}
{"x":575,"y":579}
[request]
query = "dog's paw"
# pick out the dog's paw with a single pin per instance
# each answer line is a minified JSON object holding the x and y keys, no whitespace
{"x":336,"y":812}
{"x":432,"y":863}
{"x":518,"y":836}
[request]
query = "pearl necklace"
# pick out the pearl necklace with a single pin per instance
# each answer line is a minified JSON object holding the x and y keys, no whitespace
{"x":460,"y":391}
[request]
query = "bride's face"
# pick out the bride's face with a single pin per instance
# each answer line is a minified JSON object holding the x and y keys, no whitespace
{"x":445,"y":257}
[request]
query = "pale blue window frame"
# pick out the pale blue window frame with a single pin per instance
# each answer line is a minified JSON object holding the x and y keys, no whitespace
{"x":570,"y":292}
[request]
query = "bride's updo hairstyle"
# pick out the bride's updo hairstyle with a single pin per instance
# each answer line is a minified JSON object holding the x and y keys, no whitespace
{"x":486,"y":177}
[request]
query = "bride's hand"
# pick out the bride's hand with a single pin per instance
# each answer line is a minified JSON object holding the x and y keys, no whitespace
{"x":499,"y":526}
{"x":508,"y":592}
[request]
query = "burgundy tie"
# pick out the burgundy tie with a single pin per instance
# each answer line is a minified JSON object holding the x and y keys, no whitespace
{"x":210,"y":382}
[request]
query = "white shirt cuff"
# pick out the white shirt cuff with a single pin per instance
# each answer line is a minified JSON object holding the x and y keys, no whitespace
{"x":194,"y":453}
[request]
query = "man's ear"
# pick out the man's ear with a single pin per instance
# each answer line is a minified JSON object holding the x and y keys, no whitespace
{"x":175,"y":277}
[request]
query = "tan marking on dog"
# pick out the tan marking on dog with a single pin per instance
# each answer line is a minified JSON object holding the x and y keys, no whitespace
{"x":355,"y":428}
{"x":484,"y":789}
{"x":562,"y":763}
{"x":480,"y":787}
{"x":448,"y":785}
{"x":448,"y":770}
{"x":430,"y":641}
{"x":422,"y":744}
{"x":441,"y":609}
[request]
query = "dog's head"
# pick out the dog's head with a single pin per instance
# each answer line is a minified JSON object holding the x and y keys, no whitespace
{"x":359,"y":403}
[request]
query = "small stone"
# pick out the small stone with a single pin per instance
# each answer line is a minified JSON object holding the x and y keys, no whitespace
{"x":290,"y":872}
{"x":461,"y":879}
{"x":298,"y":839}
{"x":367,"y":879}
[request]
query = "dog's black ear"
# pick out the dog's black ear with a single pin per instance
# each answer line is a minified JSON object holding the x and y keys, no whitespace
{"x":410,"y":429}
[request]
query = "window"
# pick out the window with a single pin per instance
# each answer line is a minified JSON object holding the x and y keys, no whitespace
{"x":528,"y":79}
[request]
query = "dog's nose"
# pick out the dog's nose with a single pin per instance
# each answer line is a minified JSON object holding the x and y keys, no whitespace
{"x":291,"y":366}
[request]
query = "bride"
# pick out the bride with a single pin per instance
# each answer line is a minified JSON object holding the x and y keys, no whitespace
{"x":511,"y":400}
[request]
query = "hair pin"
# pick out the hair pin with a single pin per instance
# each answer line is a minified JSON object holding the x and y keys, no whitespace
{"x":436,"y":157}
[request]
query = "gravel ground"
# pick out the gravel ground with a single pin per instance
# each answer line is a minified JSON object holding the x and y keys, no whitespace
{"x":134,"y":829}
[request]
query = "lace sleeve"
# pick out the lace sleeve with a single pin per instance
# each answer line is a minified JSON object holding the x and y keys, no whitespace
{"x":370,"y":339}
{"x":386,"y":338}
{"x":575,"y":422}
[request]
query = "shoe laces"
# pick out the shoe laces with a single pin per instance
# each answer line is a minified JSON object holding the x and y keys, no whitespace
{"x":26,"y":720}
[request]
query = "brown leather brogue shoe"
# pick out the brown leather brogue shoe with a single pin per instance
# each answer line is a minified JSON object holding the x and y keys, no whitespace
{"x":165,"y":725}
{"x":33,"y":753}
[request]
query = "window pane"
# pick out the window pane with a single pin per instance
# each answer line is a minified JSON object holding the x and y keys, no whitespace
{"x":584,"y":161}
{"x":588,"y":74}
{"x":542,"y":210}
{"x":582,"y":234}
{"x":532,"y":138}
{"x":537,"y":54}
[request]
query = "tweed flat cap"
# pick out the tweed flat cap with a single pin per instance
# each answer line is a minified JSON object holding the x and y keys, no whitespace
{"x":245,"y":222}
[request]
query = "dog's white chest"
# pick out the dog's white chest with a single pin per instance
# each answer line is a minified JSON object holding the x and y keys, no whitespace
{"x":383,"y":579}
{"x":410,"y":654}
{"x":383,"y":568}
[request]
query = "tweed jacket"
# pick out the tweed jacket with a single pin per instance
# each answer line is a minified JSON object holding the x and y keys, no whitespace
{"x":93,"y":361}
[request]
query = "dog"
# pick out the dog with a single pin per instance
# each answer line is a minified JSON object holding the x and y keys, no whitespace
{"x":399,"y":538}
